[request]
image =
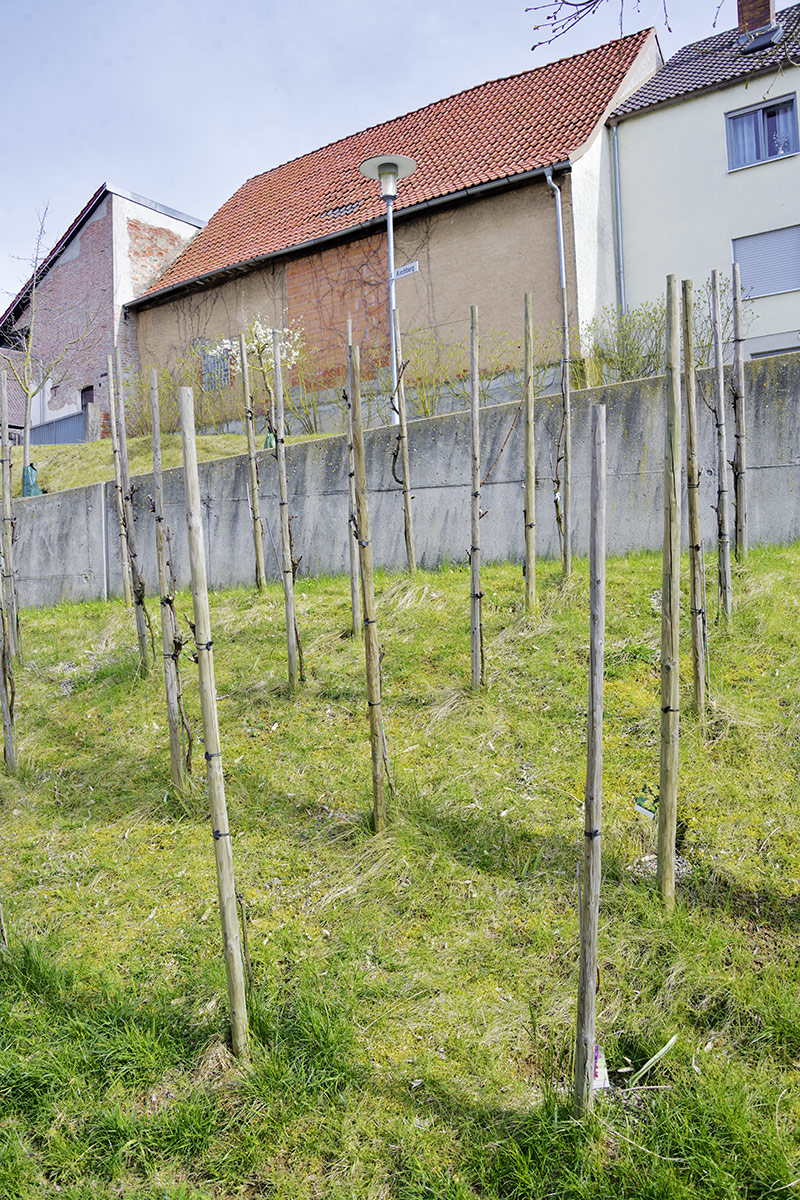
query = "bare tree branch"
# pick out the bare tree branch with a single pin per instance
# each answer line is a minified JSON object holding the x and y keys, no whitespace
{"x":559,"y":17}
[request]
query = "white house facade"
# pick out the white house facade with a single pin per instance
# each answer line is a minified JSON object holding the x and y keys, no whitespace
{"x":709,"y":174}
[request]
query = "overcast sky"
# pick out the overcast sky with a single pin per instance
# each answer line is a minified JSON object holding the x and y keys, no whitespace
{"x":182,"y":102}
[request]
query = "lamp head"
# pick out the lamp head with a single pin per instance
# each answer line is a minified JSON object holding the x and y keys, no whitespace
{"x":388,"y":169}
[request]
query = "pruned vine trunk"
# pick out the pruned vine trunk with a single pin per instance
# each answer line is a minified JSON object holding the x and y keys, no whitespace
{"x":180,"y":738}
{"x":379,"y":752}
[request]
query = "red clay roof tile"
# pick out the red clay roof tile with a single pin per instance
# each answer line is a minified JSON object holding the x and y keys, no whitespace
{"x":499,"y":129}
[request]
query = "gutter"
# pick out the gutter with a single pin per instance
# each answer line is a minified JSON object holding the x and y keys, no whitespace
{"x":208,"y":279}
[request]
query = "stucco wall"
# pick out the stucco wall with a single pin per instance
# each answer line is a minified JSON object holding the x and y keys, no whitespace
{"x":68,"y":547}
{"x":594,"y":200}
{"x":681,"y":207}
{"x":166,"y":332}
{"x":146,"y":242}
{"x":488,"y":251}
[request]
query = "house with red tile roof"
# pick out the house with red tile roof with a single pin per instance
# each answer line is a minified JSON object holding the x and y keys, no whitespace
{"x":305,"y":243}
{"x":709,"y":171}
{"x":113,"y":249}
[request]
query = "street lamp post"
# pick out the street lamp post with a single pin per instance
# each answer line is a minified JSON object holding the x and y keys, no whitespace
{"x":388,"y":169}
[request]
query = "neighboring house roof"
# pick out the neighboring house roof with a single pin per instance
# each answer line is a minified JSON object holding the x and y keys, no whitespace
{"x":493,"y":132}
{"x":713,"y":63}
{"x":17,"y":305}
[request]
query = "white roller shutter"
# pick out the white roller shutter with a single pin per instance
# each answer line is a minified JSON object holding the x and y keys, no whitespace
{"x":769,"y":262}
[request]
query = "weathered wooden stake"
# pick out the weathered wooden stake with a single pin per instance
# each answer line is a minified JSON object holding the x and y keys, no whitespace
{"x":478,"y":673}
{"x":725,"y":586}
{"x":371,"y":651}
{"x":10,"y":600}
{"x":408,"y":520}
{"x":7,"y":698}
{"x":286,"y":547}
{"x":223,"y":852}
{"x":137,"y":580}
{"x":530,"y":463}
{"x":250,"y":429}
{"x":566,"y":400}
{"x":670,"y":607}
{"x":118,"y":490}
{"x":593,"y":802}
{"x":170,"y":638}
{"x":696,"y":600}
{"x":740,"y":418}
{"x":352,"y":537}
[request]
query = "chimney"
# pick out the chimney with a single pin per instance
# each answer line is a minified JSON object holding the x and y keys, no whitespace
{"x":755,"y":14}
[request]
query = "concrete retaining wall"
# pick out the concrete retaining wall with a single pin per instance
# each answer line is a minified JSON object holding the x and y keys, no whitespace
{"x":67,"y":547}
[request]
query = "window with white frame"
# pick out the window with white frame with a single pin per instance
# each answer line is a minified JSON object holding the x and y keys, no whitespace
{"x":762,"y":133}
{"x":769,"y":262}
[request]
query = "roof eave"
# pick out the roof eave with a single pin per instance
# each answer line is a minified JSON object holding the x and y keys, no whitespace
{"x":719,"y":86}
{"x":208,"y":279}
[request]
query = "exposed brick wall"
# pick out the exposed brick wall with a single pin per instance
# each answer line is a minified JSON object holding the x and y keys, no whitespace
{"x":754,"y":14}
{"x":151,"y":250}
{"x":323,"y":289}
{"x":75,"y":301}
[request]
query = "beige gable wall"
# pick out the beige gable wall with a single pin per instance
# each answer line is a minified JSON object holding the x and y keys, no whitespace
{"x":487,"y":251}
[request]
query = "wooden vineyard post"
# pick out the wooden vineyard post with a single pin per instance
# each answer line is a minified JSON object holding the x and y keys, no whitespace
{"x":696,"y":600}
{"x":530,"y":463}
{"x":223,"y":852}
{"x":352,"y":537}
{"x":371,"y":651}
{"x":286,"y":548}
{"x":170,"y":638}
{"x":249,"y":424}
{"x":137,"y":581}
{"x":9,"y":591}
{"x":566,"y":400}
{"x":123,"y":546}
{"x":590,"y":895}
{"x":478,"y":675}
{"x":723,"y":525}
{"x":670,"y":608}
{"x":740,"y":419}
{"x":408,"y":520}
{"x":7,"y":697}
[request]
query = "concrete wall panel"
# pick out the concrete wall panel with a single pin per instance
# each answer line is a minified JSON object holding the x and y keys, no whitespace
{"x":61,"y":539}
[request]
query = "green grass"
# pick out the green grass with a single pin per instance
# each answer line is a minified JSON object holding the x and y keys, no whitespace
{"x":82,"y":463}
{"x":79,"y":464}
{"x":412,"y":1006}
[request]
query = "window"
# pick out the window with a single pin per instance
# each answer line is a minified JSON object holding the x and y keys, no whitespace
{"x":216,"y":371}
{"x":87,"y":396}
{"x":759,"y":134}
{"x":769,"y":262}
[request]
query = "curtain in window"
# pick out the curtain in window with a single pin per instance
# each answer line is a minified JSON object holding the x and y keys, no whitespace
{"x":744,"y":139}
{"x":781,"y":131}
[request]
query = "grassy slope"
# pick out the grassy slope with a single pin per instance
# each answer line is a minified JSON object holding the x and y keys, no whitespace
{"x":61,"y":467}
{"x":414,"y":995}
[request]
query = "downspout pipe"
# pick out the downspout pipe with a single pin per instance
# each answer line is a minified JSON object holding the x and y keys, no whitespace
{"x":562,"y":501}
{"x":556,"y":190}
{"x":622,"y":302}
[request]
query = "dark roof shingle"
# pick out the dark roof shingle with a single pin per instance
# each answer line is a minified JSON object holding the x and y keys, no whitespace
{"x":714,"y":62}
{"x":499,"y":129}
